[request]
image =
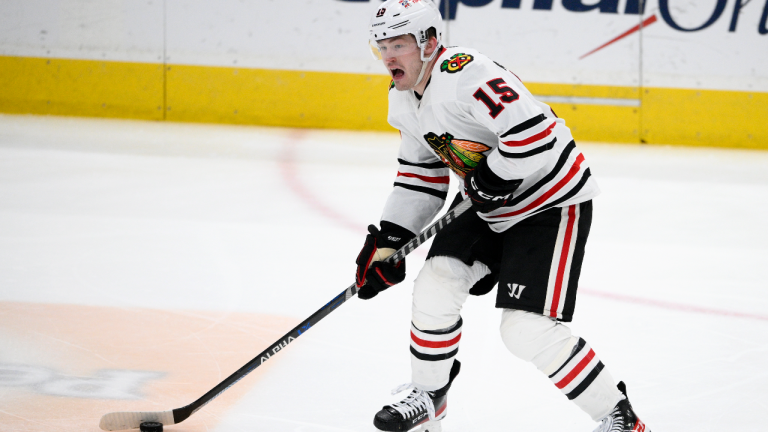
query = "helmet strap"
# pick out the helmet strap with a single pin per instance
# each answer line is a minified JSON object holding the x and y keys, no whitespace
{"x":425,"y":62}
{"x":421,"y":74}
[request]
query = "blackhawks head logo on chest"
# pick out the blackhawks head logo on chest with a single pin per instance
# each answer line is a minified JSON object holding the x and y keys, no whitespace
{"x":456,"y":63}
{"x":461,"y":156}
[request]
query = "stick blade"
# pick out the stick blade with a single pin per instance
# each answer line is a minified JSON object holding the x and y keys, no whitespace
{"x":131,"y":420}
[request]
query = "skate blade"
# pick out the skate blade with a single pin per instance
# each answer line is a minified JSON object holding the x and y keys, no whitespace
{"x":430,"y":426}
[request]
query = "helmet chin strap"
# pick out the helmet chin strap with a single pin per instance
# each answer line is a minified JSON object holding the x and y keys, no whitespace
{"x":424,"y":63}
{"x":421,"y":74}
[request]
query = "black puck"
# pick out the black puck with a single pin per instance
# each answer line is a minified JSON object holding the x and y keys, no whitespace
{"x":151,"y":427}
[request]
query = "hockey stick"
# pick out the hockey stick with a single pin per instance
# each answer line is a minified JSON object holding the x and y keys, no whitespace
{"x":132,"y":420}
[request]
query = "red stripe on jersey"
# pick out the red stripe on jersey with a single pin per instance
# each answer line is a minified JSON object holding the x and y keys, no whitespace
{"x":576,"y":370}
{"x":431,"y":344}
{"x":440,"y":180}
{"x":539,"y":136}
{"x":546,"y":195}
{"x":563,"y":261}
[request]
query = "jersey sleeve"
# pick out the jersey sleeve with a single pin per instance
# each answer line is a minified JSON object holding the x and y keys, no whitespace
{"x":496,"y":98}
{"x":420,"y":188}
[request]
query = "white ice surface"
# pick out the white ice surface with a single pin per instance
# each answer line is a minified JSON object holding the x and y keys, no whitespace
{"x":177,"y":216}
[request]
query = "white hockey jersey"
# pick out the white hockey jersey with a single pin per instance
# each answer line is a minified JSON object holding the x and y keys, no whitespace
{"x":474,"y":108}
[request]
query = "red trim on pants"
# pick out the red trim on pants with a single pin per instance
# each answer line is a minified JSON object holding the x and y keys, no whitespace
{"x":563,"y":261}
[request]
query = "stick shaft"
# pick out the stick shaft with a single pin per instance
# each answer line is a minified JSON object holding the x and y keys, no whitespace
{"x":180,"y":414}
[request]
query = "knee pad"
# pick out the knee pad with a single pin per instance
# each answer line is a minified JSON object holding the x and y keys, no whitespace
{"x":535,"y":338}
{"x":441,"y":289}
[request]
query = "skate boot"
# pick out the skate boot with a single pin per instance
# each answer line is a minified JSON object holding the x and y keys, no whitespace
{"x":622,"y":418}
{"x":423,"y":409}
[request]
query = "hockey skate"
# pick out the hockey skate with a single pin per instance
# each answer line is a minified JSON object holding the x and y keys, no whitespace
{"x":622,"y":418}
{"x":421,"y":409}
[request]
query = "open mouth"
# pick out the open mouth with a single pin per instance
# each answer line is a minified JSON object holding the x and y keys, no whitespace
{"x":397,"y":73}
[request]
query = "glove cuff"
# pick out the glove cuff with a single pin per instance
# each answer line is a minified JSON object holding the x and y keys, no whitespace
{"x":488,"y":181}
{"x":393,"y":236}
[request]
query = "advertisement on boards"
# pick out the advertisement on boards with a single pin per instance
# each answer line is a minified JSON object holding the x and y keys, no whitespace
{"x":707,"y":44}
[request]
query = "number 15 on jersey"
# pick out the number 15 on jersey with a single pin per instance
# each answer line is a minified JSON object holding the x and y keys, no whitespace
{"x":500,"y":87}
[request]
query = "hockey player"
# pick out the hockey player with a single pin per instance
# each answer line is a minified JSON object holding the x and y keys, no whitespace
{"x":461,"y":113}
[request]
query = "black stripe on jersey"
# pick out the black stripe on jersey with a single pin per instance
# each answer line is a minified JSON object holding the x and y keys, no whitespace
{"x":537,"y":150}
{"x":570,"y":194}
{"x":450,"y":329}
{"x":426,"y":190}
{"x":579,"y":389}
{"x":579,"y":346}
{"x":531,"y":122}
{"x":432,"y":165}
{"x":434,"y":357}
{"x":547,"y":178}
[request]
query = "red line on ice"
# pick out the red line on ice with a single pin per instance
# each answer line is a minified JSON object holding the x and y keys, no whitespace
{"x":288,"y":170}
{"x":672,"y":306}
{"x":289,"y":173}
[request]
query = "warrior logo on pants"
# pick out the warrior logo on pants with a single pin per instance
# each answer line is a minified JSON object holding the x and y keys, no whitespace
{"x":515,"y":290}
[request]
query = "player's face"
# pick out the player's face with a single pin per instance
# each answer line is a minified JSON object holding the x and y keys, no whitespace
{"x":402,"y":58}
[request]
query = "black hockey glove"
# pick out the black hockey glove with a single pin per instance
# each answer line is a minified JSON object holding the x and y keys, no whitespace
{"x":488,"y":191}
{"x":373,"y":275}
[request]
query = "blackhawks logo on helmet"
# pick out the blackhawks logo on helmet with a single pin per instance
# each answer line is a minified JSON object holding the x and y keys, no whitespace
{"x":461,"y":156}
{"x":456,"y":63}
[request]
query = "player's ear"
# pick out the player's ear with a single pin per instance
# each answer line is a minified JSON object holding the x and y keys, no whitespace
{"x":431,"y":46}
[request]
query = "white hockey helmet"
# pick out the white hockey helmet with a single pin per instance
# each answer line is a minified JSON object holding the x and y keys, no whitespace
{"x":399,"y":17}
